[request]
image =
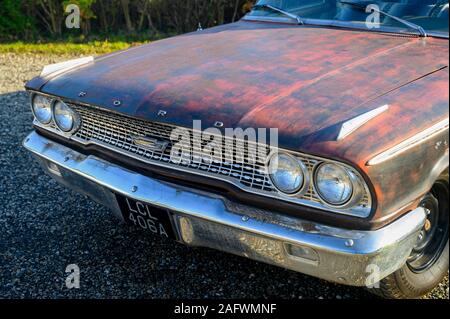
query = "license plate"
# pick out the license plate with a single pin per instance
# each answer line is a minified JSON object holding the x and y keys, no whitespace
{"x":147,"y":217}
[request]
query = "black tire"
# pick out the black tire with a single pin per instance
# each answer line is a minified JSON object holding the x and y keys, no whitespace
{"x":409,"y":282}
{"x":405,"y":284}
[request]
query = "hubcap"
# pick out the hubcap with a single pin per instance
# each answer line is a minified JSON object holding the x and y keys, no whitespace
{"x":434,"y":234}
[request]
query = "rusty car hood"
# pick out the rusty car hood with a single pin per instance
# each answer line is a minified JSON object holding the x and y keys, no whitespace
{"x":303,"y":80}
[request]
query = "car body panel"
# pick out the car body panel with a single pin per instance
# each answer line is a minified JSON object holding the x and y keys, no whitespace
{"x":305,"y":81}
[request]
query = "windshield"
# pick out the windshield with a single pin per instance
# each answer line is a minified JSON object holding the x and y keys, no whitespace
{"x":431,"y":15}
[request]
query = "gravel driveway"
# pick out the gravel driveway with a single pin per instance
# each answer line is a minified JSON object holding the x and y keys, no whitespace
{"x":45,"y":227}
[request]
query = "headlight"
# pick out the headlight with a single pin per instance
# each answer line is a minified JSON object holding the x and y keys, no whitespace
{"x":287,"y":173}
{"x":65,"y":118}
{"x":42,"y":108}
{"x":334,"y":184}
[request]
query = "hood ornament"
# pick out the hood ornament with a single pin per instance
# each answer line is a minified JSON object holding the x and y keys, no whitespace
{"x":59,"y":68}
{"x":355,"y":123}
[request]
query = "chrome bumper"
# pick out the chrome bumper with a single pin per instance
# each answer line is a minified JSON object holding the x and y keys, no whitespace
{"x":208,"y":220}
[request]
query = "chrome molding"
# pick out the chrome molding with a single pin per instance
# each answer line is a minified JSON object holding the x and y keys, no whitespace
{"x":355,"y":123}
{"x":59,"y":68}
{"x":205,"y":219}
{"x":410,"y":143}
{"x":76,"y":120}
{"x":306,"y":176}
{"x":358,"y":190}
{"x":30,"y":99}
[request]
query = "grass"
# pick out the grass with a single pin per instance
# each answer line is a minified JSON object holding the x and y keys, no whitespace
{"x":79,"y":44}
{"x":93,"y":47}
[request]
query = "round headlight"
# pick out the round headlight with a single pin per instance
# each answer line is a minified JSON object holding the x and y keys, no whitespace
{"x":42,"y":108}
{"x":64,"y":116}
{"x":333,"y":184}
{"x":287,"y":173}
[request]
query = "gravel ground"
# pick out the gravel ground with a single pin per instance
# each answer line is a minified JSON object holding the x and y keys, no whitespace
{"x":45,"y":227}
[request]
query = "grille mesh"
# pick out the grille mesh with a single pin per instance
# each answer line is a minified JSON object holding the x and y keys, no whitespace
{"x":118,"y":131}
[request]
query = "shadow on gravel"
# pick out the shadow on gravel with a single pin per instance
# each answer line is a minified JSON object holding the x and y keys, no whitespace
{"x":45,"y":227}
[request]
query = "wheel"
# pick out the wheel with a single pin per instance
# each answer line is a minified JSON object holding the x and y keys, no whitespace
{"x":428,"y":263}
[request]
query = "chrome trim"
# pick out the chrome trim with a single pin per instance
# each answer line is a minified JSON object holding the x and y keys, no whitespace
{"x":76,"y":119}
{"x":32,"y":96}
{"x":205,"y":219}
{"x":309,"y":199}
{"x":355,"y":123}
{"x":306,"y":174}
{"x":59,"y":68}
{"x":410,"y":143}
{"x":218,"y":124}
{"x":357,"y":188}
{"x":162,"y":113}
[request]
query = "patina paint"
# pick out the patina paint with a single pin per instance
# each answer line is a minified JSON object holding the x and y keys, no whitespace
{"x":412,"y":109}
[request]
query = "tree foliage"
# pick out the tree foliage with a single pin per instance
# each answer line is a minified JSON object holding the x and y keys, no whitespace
{"x":24,"y":19}
{"x":14,"y":19}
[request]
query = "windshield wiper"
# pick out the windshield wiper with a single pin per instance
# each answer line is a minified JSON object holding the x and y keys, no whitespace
{"x":275,"y":9}
{"x":414,"y":26}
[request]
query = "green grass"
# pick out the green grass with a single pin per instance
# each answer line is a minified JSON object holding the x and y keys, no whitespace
{"x":93,"y":47}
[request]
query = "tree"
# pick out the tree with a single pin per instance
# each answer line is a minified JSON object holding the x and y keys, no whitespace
{"x":45,"y":18}
{"x":14,"y":20}
{"x":51,"y":14}
{"x":126,"y":15}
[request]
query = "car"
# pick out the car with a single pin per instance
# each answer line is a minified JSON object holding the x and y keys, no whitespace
{"x":311,"y":135}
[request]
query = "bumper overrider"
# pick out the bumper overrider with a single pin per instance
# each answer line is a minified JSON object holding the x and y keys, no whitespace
{"x":351,"y":257}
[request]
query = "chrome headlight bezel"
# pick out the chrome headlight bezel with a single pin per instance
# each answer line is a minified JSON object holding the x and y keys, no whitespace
{"x":50,"y":103}
{"x":75,"y":118}
{"x":357,"y":186}
{"x":301,"y":189}
{"x":360,"y":203}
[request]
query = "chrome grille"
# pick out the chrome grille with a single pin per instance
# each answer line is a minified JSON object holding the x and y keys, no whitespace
{"x":117,"y":131}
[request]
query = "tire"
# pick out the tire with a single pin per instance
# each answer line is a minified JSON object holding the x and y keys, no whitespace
{"x":405,"y":284}
{"x":408,"y":282}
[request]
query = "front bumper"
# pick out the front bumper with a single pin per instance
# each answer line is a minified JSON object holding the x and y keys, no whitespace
{"x":208,"y":220}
